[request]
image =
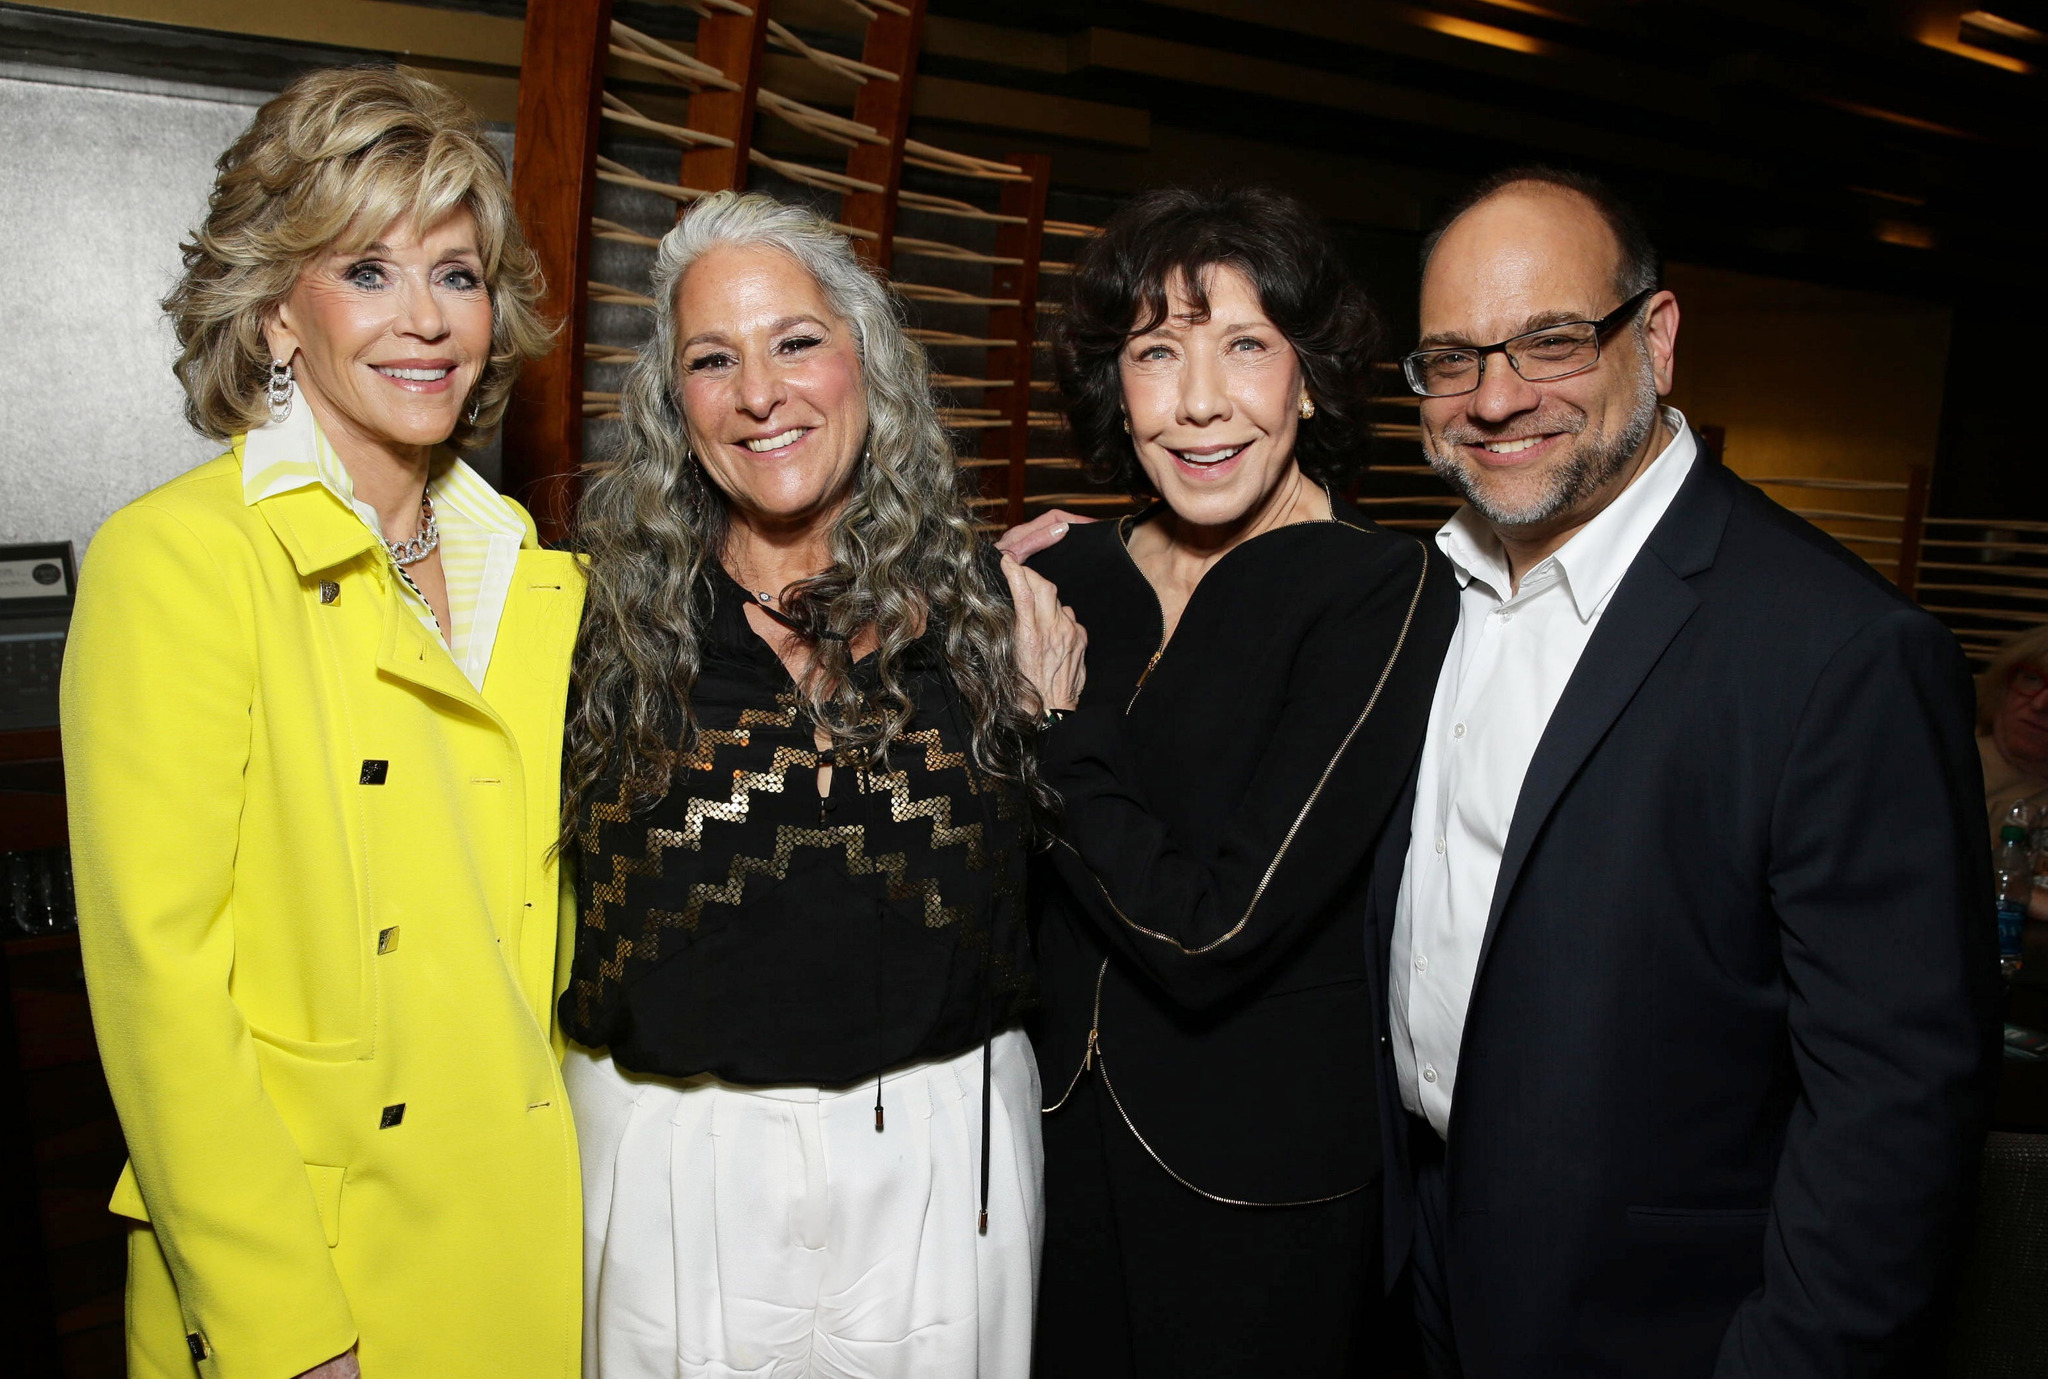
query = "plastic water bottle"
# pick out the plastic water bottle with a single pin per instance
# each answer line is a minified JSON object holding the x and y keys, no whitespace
{"x":2015,"y":887}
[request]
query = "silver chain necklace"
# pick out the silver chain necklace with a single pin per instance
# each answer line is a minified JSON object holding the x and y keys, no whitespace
{"x":422,"y":543}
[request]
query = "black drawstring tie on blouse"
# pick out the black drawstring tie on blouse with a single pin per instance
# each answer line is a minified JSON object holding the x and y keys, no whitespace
{"x":988,"y":981}
{"x":881,"y":943}
{"x":988,"y":1059}
{"x":987,"y":1013}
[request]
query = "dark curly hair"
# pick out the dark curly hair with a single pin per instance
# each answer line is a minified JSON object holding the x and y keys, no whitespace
{"x":1178,"y":234}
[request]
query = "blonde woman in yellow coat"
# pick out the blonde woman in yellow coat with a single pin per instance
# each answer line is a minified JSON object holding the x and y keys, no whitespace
{"x":312,"y":713}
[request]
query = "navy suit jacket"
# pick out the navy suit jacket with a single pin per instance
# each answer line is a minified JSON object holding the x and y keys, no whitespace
{"x":1734,"y":1033}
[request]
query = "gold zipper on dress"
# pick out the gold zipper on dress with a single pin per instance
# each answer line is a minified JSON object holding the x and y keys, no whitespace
{"x":1102,"y":1067}
{"x":1088,"y":1053}
{"x":1092,"y":1055}
{"x":1301,"y":817}
{"x":1123,"y":539}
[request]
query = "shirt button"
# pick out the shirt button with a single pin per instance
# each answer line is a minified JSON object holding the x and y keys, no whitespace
{"x":1458,"y":731}
{"x":1422,"y":964}
{"x":1439,"y":846}
{"x":1429,"y":1074}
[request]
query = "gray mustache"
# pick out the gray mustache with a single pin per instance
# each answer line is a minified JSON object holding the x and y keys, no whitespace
{"x":1466,"y":435}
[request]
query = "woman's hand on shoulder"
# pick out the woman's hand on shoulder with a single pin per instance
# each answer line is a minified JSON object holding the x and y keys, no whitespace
{"x":1052,"y":645}
{"x":342,"y":1366}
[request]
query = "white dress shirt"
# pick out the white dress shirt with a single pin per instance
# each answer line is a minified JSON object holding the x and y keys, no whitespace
{"x":1506,"y":668}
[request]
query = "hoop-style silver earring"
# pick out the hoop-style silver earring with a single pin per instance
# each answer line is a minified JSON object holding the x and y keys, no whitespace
{"x":280,"y":390}
{"x":475,"y":405}
{"x":1308,"y":405}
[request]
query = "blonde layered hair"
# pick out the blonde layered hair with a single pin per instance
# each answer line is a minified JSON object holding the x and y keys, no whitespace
{"x":327,"y":165}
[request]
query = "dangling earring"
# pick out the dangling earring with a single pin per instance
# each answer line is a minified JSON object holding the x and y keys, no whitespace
{"x":1308,"y":405}
{"x":1127,"y":425}
{"x":280,"y":391}
{"x":475,"y":405}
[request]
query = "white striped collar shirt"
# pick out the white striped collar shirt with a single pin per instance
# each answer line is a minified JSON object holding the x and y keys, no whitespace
{"x":481,"y":530}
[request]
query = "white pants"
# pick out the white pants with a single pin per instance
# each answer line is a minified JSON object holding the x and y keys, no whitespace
{"x":771,"y":1231}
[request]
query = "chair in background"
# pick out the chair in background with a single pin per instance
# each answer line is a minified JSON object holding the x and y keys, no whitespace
{"x":1987,"y":578}
{"x":2001,"y":1307}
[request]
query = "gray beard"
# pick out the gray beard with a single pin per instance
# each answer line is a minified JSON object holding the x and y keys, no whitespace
{"x":1592,"y":464}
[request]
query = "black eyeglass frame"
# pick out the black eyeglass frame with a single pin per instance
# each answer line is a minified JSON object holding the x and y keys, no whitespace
{"x":1602,"y":328}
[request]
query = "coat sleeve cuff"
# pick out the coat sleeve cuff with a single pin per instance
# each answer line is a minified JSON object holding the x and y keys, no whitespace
{"x":1076,"y":753}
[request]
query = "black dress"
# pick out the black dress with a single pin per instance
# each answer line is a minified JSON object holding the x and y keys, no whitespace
{"x":744,"y":926}
{"x":1205,"y":1040}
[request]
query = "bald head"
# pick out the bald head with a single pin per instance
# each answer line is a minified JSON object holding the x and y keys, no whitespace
{"x":1538,"y":456}
{"x":1528,"y":255}
{"x":1638,"y":266}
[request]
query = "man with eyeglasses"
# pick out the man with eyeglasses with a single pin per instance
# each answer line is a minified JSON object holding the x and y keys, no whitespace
{"x":1692,"y":1004}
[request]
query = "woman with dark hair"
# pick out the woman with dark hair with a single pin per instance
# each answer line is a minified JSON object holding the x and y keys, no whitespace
{"x":1259,"y":667}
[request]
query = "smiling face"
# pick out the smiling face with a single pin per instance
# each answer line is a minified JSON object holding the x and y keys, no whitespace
{"x":1538,"y":456}
{"x":1213,"y":402}
{"x":770,"y":381}
{"x":387,"y":342}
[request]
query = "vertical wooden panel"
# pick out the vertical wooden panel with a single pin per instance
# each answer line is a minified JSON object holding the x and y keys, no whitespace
{"x":26,"y":1305}
{"x":892,"y":44}
{"x":1914,"y":531}
{"x":561,"y":77}
{"x":733,"y":44}
{"x":1026,"y":201}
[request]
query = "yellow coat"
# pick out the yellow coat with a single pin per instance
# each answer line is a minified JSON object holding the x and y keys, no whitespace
{"x":319,"y":920}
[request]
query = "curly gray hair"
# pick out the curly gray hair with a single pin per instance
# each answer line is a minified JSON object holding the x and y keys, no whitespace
{"x":905,"y":555}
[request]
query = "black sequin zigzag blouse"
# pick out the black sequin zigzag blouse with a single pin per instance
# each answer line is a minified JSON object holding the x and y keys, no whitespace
{"x":745,"y":926}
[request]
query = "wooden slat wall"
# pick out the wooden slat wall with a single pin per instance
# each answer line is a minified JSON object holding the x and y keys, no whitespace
{"x":968,"y":271}
{"x":892,"y":44}
{"x":552,"y":185}
{"x":1021,"y":202}
{"x":734,"y":42}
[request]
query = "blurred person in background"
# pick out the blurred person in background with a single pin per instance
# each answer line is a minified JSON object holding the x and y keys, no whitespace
{"x":2012,"y":729}
{"x":313,"y":711}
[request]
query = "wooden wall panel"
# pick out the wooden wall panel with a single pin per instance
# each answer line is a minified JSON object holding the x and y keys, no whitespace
{"x":893,"y":42}
{"x":1025,"y":202}
{"x":733,"y":43}
{"x":554,"y":177}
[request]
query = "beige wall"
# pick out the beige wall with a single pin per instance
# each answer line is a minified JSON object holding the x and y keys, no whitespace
{"x":1811,"y":381}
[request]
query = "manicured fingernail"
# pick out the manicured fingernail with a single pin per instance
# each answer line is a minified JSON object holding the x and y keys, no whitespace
{"x":1059,"y":529}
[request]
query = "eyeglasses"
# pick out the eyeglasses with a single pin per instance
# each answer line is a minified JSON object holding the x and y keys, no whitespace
{"x":2028,"y":681}
{"x":1539,"y":356}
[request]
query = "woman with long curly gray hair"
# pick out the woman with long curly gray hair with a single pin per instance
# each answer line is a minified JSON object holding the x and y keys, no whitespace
{"x":800,"y":784}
